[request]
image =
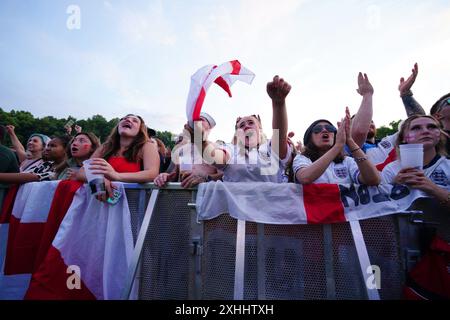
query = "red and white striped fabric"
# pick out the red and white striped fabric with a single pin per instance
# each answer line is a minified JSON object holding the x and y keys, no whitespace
{"x":384,"y":153}
{"x":223,"y":75}
{"x":26,"y":225}
{"x":94,"y":241}
{"x":288,"y":203}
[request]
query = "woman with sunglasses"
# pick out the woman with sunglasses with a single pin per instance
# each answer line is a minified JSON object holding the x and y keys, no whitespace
{"x":128,"y":155}
{"x":323,"y":159}
{"x":252,"y":157}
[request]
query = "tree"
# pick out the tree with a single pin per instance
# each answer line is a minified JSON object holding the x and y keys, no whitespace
{"x":384,"y":131}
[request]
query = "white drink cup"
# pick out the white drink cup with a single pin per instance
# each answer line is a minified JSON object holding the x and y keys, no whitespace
{"x":96,"y":181}
{"x":411,"y":156}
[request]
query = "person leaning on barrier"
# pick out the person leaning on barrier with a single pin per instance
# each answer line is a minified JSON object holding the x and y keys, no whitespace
{"x":53,"y":155}
{"x":251,"y":157}
{"x":186,"y":152}
{"x":128,"y":155}
{"x":81,"y":148}
{"x":8,"y":161}
{"x":323,"y":160}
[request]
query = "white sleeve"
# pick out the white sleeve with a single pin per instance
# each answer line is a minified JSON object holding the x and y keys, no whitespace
{"x":300,"y":161}
{"x":353,"y":169}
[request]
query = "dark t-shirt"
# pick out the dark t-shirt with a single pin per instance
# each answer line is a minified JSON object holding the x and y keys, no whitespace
{"x":8,"y":161}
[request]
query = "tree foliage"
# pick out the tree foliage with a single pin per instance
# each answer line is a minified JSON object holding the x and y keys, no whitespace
{"x":384,"y":131}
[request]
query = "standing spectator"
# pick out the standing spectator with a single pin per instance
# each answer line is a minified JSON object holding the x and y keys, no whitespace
{"x":31,"y":158}
{"x":323,"y":160}
{"x":434,"y":179}
{"x":53,"y":155}
{"x":186,"y":152}
{"x":8,"y":161}
{"x":128,"y":155}
{"x":253,"y":158}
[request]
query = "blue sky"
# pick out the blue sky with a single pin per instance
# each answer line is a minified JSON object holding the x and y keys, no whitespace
{"x":138,"y":56}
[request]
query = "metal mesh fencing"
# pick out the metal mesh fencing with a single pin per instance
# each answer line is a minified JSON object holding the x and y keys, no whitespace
{"x":281,"y":261}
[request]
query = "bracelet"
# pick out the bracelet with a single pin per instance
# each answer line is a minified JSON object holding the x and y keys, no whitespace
{"x":358,"y":160}
{"x":351,"y":151}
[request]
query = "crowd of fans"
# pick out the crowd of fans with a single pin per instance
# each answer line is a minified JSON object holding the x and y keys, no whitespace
{"x":346,"y":153}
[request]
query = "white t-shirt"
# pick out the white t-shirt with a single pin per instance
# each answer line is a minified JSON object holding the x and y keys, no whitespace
{"x":379,"y":154}
{"x":438,"y":171}
{"x":255,"y":165}
{"x":345,"y":172}
{"x":433,"y":212}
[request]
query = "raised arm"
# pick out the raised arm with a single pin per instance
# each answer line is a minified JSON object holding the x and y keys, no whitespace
{"x":277,"y":90}
{"x":368,"y":173}
{"x":411,"y":105}
{"x":363,"y":117}
{"x":17,"y":145}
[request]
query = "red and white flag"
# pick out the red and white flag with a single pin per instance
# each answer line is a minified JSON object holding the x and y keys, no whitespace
{"x":223,"y":75}
{"x":288,"y":203}
{"x":26,"y":225}
{"x":89,"y":257}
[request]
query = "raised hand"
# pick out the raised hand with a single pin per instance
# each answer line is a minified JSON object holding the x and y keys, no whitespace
{"x":278,"y":89}
{"x":77,"y":128}
{"x":341,"y":137}
{"x":10,"y":129}
{"x":348,"y":125}
{"x":364,"y":86}
{"x":405,"y":85}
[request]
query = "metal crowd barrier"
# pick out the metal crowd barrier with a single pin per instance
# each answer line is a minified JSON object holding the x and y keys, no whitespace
{"x":178,"y":257}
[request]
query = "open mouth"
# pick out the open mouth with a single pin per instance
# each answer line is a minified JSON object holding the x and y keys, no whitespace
{"x":325,"y":137}
{"x":74,"y":149}
{"x":127,"y":125}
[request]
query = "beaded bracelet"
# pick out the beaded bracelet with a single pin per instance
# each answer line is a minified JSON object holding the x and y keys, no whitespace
{"x":351,"y":151}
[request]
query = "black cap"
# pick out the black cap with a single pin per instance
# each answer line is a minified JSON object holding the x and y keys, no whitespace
{"x":308,"y":131}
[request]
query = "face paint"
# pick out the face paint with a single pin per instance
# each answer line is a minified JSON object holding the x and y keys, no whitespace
{"x":411,"y":136}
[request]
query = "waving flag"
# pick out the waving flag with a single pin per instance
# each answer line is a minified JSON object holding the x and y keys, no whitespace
{"x":224,"y":76}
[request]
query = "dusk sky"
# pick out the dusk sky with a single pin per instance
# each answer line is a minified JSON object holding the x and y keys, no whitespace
{"x":137,"y":57}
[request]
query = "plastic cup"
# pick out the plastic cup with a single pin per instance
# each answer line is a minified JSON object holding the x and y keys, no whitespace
{"x":411,"y":157}
{"x":96,"y":181}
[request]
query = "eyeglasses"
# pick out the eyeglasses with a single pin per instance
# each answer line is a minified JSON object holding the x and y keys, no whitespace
{"x":319,"y":127}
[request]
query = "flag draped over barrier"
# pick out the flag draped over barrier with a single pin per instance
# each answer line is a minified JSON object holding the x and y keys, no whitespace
{"x":288,"y":203}
{"x":223,"y":75}
{"x":90,"y":254}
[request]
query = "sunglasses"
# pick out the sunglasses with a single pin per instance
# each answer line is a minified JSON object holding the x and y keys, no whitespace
{"x":319,"y":127}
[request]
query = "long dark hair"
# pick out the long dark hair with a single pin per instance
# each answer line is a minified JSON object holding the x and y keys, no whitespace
{"x":311,"y":151}
{"x":112,"y":143}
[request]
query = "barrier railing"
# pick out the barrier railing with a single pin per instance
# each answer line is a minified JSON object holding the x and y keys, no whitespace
{"x":178,"y":257}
